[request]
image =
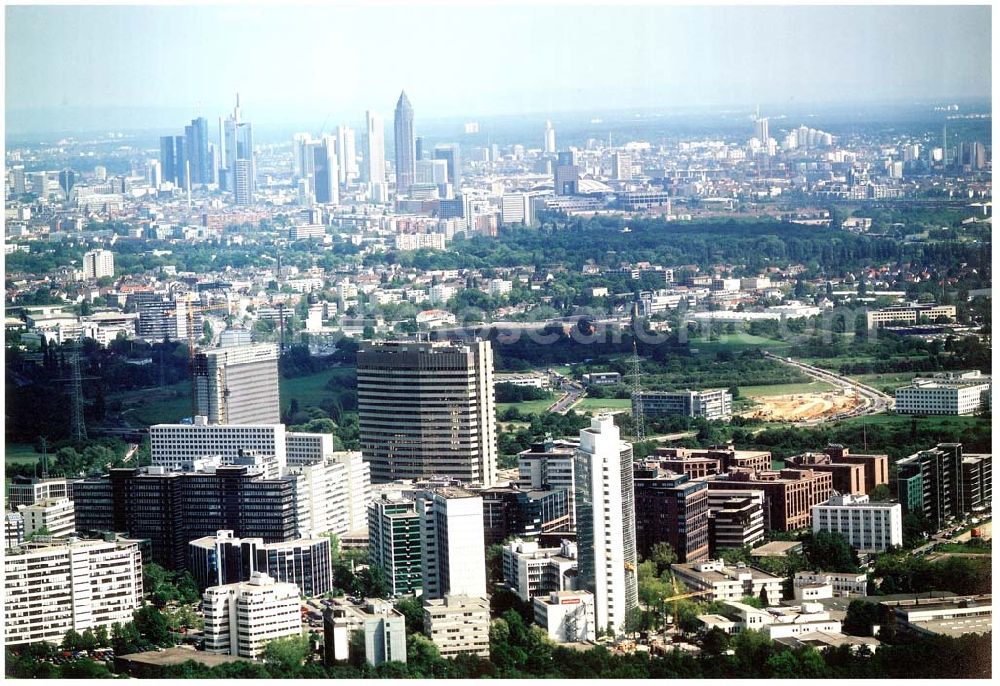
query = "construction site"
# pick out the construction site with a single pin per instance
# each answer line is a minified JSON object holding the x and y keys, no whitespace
{"x":805,"y":407}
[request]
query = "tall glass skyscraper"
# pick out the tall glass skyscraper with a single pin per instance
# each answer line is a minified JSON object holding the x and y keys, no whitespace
{"x":406,"y":153}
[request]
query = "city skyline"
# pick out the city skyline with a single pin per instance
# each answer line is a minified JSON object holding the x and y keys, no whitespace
{"x":731,"y":56}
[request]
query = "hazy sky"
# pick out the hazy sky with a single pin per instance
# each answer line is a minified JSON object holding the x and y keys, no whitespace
{"x":468,"y":61}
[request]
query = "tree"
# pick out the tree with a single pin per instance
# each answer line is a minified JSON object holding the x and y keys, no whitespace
{"x":152,"y":625}
{"x":735,"y":392}
{"x":829,"y":552}
{"x":285,"y":655}
{"x":716,"y":641}
{"x":663,"y":555}
{"x":880,"y":494}
{"x":413,"y":613}
{"x":861,"y":617}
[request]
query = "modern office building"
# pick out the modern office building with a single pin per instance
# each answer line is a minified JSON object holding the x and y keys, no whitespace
{"x":347,"y":155}
{"x":530,"y":570}
{"x":23,"y":490}
{"x":458,"y":624}
{"x":621,"y":166}
{"x":170,"y":509}
{"x":605,"y":522}
{"x":98,"y":264}
{"x":710,"y":404}
{"x":567,"y":616}
{"x":868,"y":527}
{"x":932,"y":397}
{"x":789,"y":494}
{"x":394,"y":542}
{"x":549,"y":465}
{"x":198,"y":154}
{"x":909,"y":314}
{"x":243,"y":182}
{"x":427,"y":409}
{"x":729,"y":583}
{"x":13,"y":527}
{"x":52,"y":517}
{"x":406,"y":153}
{"x":54,"y":585}
{"x":715,"y":459}
{"x":735,"y":520}
{"x":382,"y":627}
{"x":847,"y":478}
{"x":977,"y":482}
{"x":517,"y":208}
{"x":324,"y":170}
{"x":241,"y":618}
{"x":225,"y":559}
{"x":453,"y":550}
{"x":165,"y":319}
{"x":935,"y":482}
{"x":512,"y":512}
{"x":238,"y":384}
{"x":177,"y":447}
{"x":670,"y":508}
{"x":452,"y":157}
{"x":840,"y":584}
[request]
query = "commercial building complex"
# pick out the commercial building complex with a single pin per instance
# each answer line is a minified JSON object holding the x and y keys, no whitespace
{"x":177,"y":446}
{"x":224,"y":559}
{"x":458,"y":624}
{"x":241,"y":618}
{"x":909,"y":314}
{"x":54,"y":585}
{"x":512,"y":512}
{"x":530,"y":570}
{"x":932,"y":397}
{"x":935,"y":483}
{"x":729,"y":583}
{"x":789,"y":494}
{"x":709,"y":404}
{"x":53,"y":517}
{"x":735,"y":519}
{"x":867,"y":526}
{"x":382,"y":627}
{"x":427,"y":409}
{"x":670,"y":508}
{"x":549,"y":465}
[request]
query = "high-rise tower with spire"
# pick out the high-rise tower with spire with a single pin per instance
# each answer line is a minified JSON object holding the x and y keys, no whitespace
{"x":406,"y":153}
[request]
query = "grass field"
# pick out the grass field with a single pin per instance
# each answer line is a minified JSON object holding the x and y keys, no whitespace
{"x":904,"y":420}
{"x":20,"y":453}
{"x":596,"y":404}
{"x":786,"y":389}
{"x":528,"y":406}
{"x":729,"y":341}
{"x":310,"y":390}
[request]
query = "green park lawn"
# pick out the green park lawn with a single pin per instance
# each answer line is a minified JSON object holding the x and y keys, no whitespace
{"x":528,"y":406}
{"x":598,"y":404}
{"x":20,"y":453}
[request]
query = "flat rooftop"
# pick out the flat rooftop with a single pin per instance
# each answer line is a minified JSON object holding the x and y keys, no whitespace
{"x":179,"y":655}
{"x":776,"y":549}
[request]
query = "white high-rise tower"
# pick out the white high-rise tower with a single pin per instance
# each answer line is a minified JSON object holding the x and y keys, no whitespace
{"x":605,"y":520}
{"x":550,"y":137}
{"x":375,"y":162}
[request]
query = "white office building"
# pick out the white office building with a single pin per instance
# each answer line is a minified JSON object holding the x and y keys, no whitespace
{"x":815,"y":585}
{"x":605,"y":520}
{"x":728,"y":583}
{"x":567,"y":616}
{"x":458,"y":624}
{"x":516,"y":208}
{"x":452,"y":541}
{"x":934,"y":397}
{"x":867,"y":526}
{"x":549,"y":465}
{"x":177,"y":446}
{"x":53,"y":517}
{"x":532,"y":571}
{"x":54,"y":585}
{"x":241,"y":618}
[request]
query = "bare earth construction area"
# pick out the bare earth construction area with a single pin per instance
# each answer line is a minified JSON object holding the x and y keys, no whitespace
{"x":802,"y":407}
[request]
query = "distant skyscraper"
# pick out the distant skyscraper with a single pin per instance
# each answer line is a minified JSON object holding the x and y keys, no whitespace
{"x":67,"y":179}
{"x":237,"y":144}
{"x":154,"y":173}
{"x":375,"y":158}
{"x":242,"y":176}
{"x":406,"y":154}
{"x":450,"y":154}
{"x":168,"y":159}
{"x":761,"y":131}
{"x":550,"y":138}
{"x":621,"y":166}
{"x":196,"y":143}
{"x":325,"y":175}
{"x":98,"y":263}
{"x":605,"y":522}
{"x":418,"y":147}
{"x":347,"y":156}
{"x":427,"y":409}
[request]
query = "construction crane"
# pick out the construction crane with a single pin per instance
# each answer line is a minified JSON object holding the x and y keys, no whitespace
{"x":680,"y":596}
{"x":190,"y":310}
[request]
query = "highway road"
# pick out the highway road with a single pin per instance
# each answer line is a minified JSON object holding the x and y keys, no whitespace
{"x":572,"y":392}
{"x":875,"y":401}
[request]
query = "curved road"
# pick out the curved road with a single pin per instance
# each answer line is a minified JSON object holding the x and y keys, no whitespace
{"x":876,"y":401}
